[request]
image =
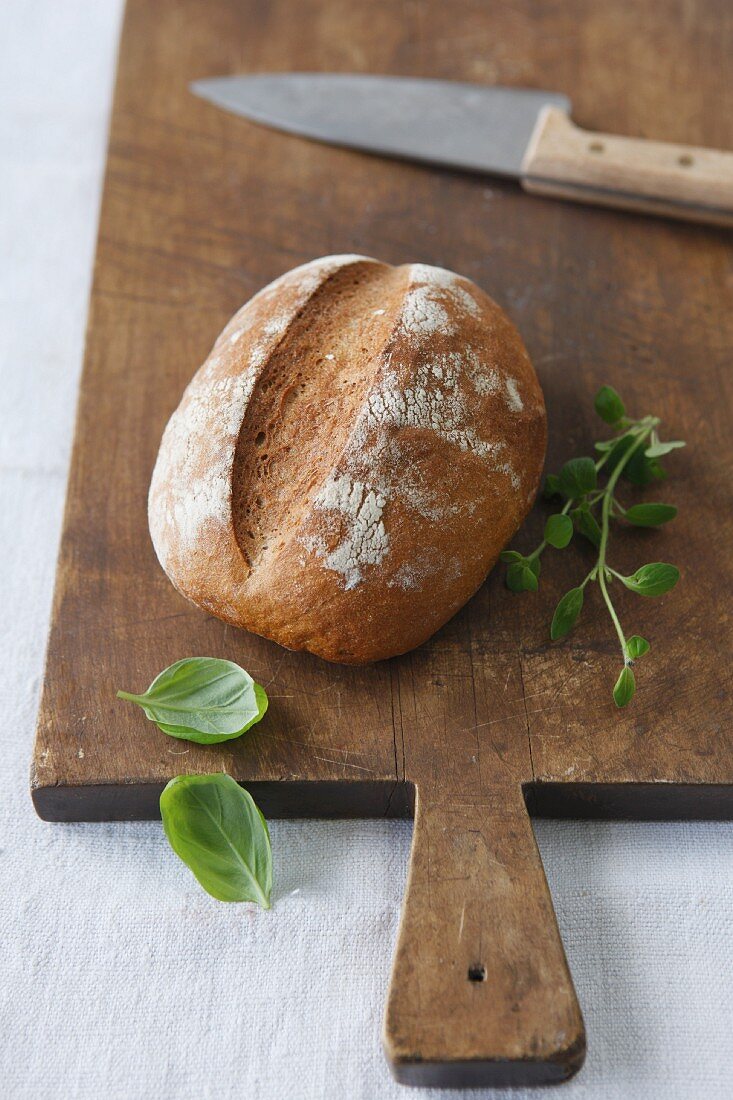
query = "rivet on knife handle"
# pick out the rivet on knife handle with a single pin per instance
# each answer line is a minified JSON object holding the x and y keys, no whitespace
{"x":653,"y":177}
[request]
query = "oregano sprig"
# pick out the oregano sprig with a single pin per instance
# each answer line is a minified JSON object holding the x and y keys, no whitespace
{"x":588,"y":508}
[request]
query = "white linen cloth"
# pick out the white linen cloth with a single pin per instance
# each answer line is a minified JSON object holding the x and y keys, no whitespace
{"x":120,"y":977}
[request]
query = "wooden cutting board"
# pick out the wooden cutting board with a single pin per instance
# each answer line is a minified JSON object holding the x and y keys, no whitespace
{"x":488,"y":720}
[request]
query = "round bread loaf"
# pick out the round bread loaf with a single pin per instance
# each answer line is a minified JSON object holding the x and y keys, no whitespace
{"x":344,"y":469}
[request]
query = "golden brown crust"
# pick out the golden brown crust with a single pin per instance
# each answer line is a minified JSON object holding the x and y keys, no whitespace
{"x":346,"y":466}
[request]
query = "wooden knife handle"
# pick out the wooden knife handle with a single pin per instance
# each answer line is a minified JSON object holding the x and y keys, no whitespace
{"x":678,"y":181}
{"x":480,"y":992}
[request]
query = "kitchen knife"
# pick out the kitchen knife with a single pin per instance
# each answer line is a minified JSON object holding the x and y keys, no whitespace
{"x":512,"y":132}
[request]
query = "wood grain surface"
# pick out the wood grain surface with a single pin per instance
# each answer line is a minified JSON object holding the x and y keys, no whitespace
{"x":200,"y":209}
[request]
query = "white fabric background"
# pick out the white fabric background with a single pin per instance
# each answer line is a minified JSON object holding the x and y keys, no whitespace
{"x":120,"y":977}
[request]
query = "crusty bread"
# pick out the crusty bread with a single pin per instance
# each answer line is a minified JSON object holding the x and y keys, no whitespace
{"x":344,"y":469}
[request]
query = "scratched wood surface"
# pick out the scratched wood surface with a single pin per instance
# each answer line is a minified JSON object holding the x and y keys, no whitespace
{"x":200,"y":210}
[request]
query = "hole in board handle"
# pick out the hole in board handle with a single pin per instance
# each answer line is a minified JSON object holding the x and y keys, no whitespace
{"x":597,"y":147}
{"x":477,"y":973}
{"x":686,"y":160}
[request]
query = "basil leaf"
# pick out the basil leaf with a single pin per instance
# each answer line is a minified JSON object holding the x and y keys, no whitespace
{"x":587,"y":524}
{"x":650,"y":515}
{"x":566,"y":613}
{"x":637,"y":647}
{"x":609,"y":405}
{"x":656,"y":450}
{"x":186,"y":734}
{"x":625,"y":687}
{"x":521,"y":578}
{"x":558,"y":531}
{"x":214,"y":826}
{"x":578,"y":477}
{"x":653,"y":580}
{"x":202,"y":699}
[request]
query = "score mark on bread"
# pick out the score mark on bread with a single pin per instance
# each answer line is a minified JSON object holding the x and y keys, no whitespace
{"x":344,"y":469}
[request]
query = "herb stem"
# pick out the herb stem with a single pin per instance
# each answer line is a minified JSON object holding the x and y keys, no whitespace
{"x":601,"y":567}
{"x":130,"y":697}
{"x":612,"y":612}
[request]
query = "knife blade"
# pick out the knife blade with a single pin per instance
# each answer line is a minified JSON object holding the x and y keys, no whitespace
{"x":466,"y":126}
{"x":511,"y":132}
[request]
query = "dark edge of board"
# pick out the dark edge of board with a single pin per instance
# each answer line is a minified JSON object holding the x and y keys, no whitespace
{"x":339,"y":798}
{"x":496,"y":1074}
{"x":656,"y":801}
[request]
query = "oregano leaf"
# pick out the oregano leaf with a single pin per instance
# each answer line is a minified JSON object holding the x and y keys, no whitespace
{"x":641,"y":470}
{"x":609,"y":405}
{"x":625,"y":687}
{"x":653,"y":580}
{"x":656,"y":450}
{"x":636,"y":647}
{"x":558,"y":531}
{"x":520,"y":578}
{"x":587,"y":525}
{"x":578,"y":477}
{"x":566,"y":613}
{"x":552,"y":487}
{"x":650,"y":515}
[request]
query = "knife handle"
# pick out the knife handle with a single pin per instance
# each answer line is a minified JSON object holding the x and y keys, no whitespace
{"x":653,"y":177}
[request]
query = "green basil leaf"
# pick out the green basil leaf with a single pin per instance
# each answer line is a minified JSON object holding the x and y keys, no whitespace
{"x":203,"y":699}
{"x":625,"y":687}
{"x":566,"y":613}
{"x":186,"y":734}
{"x":653,"y":580}
{"x":552,"y":487}
{"x":587,"y":524}
{"x":656,"y":450}
{"x":650,"y":515}
{"x":511,"y":555}
{"x":578,"y":477}
{"x":609,"y":405}
{"x":637,"y":647}
{"x":521,"y":578}
{"x":214,"y":826}
{"x":558,"y":531}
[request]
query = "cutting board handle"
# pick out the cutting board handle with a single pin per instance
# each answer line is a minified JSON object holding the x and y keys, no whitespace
{"x":480,"y":992}
{"x":653,"y":177}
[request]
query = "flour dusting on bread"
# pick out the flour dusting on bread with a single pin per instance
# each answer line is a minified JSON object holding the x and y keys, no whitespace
{"x":363,"y":540}
{"x":197,"y":494}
